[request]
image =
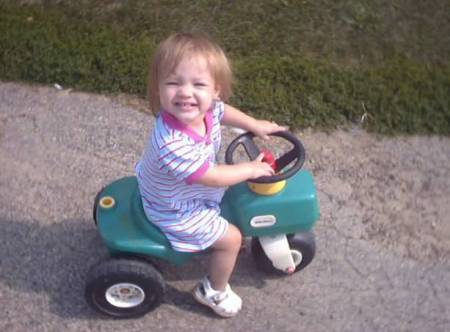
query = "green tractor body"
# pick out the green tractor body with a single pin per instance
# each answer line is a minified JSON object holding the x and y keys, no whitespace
{"x":126,"y":230}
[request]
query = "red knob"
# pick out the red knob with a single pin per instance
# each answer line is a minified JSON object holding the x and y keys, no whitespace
{"x":270,"y":159}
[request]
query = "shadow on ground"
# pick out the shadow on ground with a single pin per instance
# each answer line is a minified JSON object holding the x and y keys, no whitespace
{"x":56,"y":258}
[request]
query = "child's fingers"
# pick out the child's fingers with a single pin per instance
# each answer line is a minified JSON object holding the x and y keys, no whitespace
{"x":260,"y":157}
{"x":268,"y":169}
{"x":272,"y":127}
{"x":276,"y":127}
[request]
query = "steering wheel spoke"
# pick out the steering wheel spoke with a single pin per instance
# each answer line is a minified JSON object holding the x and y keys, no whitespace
{"x":251,"y":148}
{"x":286,"y":159}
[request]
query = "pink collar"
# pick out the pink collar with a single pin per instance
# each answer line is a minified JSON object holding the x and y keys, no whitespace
{"x":178,"y":125}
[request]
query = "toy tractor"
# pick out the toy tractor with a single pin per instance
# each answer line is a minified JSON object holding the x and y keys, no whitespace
{"x":278,"y":212}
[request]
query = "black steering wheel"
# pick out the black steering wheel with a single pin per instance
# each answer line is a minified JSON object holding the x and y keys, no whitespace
{"x":297,"y":154}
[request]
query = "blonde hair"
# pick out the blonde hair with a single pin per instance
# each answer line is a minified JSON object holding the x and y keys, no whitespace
{"x":179,"y":46}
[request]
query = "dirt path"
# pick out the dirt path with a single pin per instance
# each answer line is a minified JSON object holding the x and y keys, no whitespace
{"x":383,"y":257}
{"x":395,"y":191}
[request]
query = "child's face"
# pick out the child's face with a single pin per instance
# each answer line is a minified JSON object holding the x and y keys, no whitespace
{"x":189,"y":91}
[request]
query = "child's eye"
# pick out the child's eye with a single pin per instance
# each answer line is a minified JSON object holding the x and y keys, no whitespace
{"x":171,"y":83}
{"x":200,"y":84}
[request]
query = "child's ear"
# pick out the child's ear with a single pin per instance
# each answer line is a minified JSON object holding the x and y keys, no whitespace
{"x":217,"y":92}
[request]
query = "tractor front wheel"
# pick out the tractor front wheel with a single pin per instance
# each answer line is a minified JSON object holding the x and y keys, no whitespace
{"x":303,"y":249}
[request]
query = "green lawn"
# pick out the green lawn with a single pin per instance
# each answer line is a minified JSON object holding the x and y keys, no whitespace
{"x":319,"y":63}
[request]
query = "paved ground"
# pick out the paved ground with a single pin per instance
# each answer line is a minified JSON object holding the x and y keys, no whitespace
{"x":383,"y":259}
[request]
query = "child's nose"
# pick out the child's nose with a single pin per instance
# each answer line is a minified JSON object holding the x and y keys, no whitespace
{"x":185,"y":90}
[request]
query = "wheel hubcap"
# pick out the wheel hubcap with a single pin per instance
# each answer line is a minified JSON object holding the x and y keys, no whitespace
{"x":297,"y":257}
{"x":125,"y":295}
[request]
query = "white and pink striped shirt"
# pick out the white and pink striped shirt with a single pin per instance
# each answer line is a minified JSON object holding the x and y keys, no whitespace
{"x":175,"y":156}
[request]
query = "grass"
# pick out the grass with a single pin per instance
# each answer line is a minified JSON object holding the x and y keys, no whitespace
{"x":316,"y":63}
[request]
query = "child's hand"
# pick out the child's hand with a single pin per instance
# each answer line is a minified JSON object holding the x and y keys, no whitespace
{"x":259,"y":168}
{"x":263,"y":128}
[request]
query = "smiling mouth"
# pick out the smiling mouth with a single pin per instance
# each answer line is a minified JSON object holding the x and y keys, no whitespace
{"x":186,"y":106}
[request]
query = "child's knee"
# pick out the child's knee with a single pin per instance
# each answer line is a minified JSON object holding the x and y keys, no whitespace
{"x":235,"y":236}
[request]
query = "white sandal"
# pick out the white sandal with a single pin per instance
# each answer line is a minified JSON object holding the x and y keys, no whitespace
{"x":224,"y":303}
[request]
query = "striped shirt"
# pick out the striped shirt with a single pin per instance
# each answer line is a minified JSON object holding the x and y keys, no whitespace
{"x":174,"y":158}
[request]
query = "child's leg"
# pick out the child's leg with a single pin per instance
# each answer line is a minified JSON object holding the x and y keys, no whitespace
{"x":214,"y":291}
{"x":224,"y":257}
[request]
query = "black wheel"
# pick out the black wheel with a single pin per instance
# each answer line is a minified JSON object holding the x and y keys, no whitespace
{"x":124,"y":288}
{"x":303,"y":249}
{"x":96,"y":200}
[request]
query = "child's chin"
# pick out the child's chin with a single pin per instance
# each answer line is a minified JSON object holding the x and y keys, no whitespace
{"x":187,"y":117}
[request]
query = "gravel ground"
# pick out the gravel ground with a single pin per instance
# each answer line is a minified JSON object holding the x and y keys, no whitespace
{"x":383,"y":258}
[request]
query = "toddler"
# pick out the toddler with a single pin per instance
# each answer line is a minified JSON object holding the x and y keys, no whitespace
{"x":180,"y":183}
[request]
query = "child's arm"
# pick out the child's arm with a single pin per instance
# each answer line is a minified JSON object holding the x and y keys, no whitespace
{"x":228,"y":175}
{"x":234,"y":117}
